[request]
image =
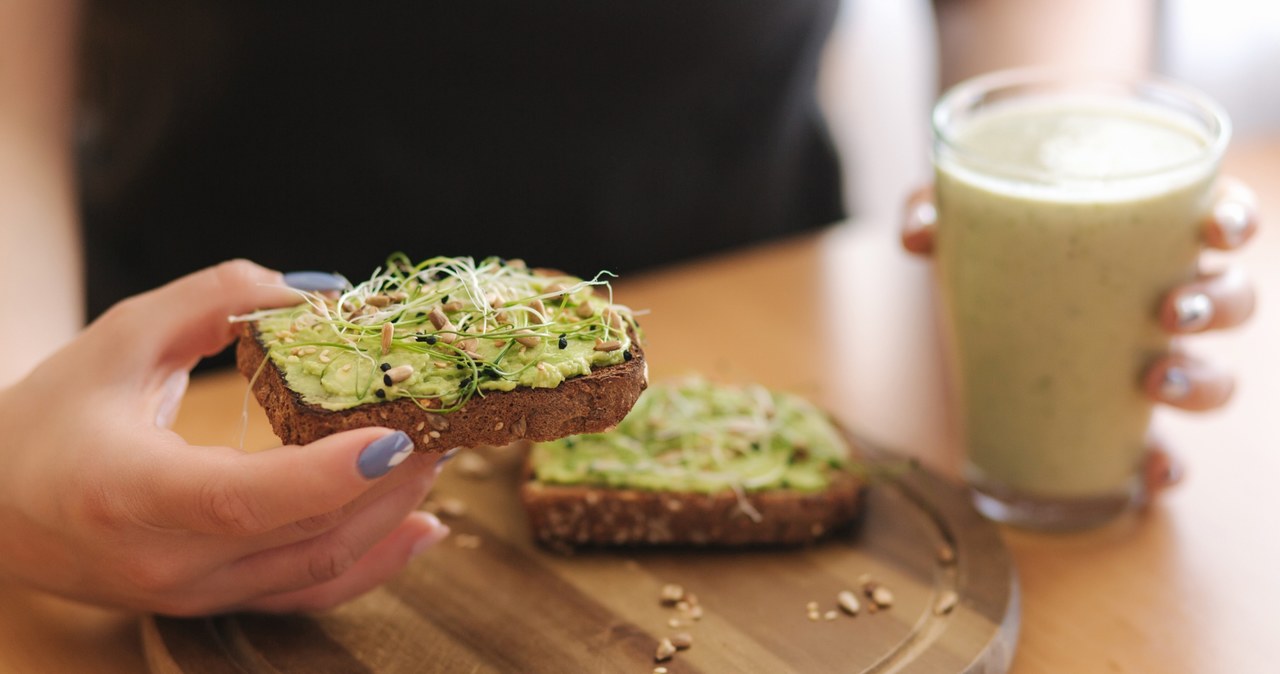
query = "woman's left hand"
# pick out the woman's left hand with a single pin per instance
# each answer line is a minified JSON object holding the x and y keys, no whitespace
{"x":1213,"y":301}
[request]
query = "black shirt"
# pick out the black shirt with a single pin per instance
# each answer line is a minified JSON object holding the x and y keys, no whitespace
{"x":582,"y":135}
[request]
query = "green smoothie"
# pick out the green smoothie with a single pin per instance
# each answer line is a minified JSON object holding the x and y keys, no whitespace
{"x":1062,"y":222}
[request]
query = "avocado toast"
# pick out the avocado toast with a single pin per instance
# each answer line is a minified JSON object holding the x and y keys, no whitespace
{"x":455,"y":352}
{"x":697,"y":463}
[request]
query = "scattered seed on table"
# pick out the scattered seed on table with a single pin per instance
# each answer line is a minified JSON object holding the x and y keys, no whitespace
{"x":452,"y":507}
{"x":848,"y":602}
{"x":671,"y":594}
{"x":665,"y":650}
{"x":882,"y":596}
{"x":474,"y":466}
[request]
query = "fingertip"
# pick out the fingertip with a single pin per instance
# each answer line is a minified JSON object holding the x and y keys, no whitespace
{"x":1187,"y":312}
{"x":431,"y":531}
{"x":919,"y":224}
{"x":365,"y":453}
{"x":248,"y":269}
{"x":1233,"y":221}
{"x":248,"y":285}
{"x":1188,"y":384}
{"x":1214,"y":301}
{"x":383,"y":453}
{"x":190,"y":318}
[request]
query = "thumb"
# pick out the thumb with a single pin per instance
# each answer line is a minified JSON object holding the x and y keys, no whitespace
{"x":224,"y":491}
{"x":187,"y":319}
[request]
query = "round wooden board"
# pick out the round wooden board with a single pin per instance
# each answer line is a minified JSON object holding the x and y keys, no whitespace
{"x":509,"y":605}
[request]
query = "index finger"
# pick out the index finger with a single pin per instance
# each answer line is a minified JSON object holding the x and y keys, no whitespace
{"x":188,"y":318}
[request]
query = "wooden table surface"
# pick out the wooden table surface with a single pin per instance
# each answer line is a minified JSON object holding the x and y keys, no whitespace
{"x":844,"y":317}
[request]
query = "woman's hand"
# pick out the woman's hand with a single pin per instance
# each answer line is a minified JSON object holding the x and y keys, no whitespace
{"x":1213,"y":301}
{"x":100,"y":502}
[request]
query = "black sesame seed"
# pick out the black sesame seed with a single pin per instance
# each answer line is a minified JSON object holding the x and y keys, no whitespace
{"x":431,"y":339}
{"x":386,"y":379}
{"x":380,"y":393}
{"x":444,"y":300}
{"x":423,"y":338}
{"x":564,"y":342}
{"x":384,"y":367}
{"x":465,"y":383}
{"x":626,"y":356}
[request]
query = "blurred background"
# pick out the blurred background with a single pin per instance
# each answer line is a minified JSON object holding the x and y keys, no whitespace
{"x":1231,"y":50}
{"x":884,"y":66}
{"x":883,"y":70}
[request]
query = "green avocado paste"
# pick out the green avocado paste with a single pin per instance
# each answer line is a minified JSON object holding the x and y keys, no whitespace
{"x":697,"y":436}
{"x":444,"y":330}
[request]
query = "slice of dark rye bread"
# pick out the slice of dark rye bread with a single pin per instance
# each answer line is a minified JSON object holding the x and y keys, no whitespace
{"x":584,"y":404}
{"x":570,"y":515}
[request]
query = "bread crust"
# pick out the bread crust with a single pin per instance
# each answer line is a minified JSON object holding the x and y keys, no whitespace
{"x":589,"y":403}
{"x":569,"y":515}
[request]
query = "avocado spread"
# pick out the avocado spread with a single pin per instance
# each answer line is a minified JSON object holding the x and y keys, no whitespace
{"x":444,"y":330}
{"x":696,"y":436}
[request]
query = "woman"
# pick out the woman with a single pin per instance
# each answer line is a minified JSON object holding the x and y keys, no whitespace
{"x":590,"y":138}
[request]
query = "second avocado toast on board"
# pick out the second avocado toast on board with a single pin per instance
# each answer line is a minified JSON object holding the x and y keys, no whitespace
{"x":698,"y":463}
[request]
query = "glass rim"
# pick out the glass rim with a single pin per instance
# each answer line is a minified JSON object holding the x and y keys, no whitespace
{"x":1158,"y":90}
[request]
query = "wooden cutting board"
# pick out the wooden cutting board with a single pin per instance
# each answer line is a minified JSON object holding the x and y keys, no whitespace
{"x":489,"y":600}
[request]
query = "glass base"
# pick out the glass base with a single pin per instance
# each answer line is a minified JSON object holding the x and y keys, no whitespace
{"x":1053,"y":513}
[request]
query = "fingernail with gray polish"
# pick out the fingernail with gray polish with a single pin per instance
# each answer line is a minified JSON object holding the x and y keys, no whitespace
{"x":315,"y":281}
{"x":383,"y":454}
{"x":1193,"y":311}
{"x":1175,"y":385}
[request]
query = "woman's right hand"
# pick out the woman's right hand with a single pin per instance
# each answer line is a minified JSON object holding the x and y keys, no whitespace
{"x":101,"y":502}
